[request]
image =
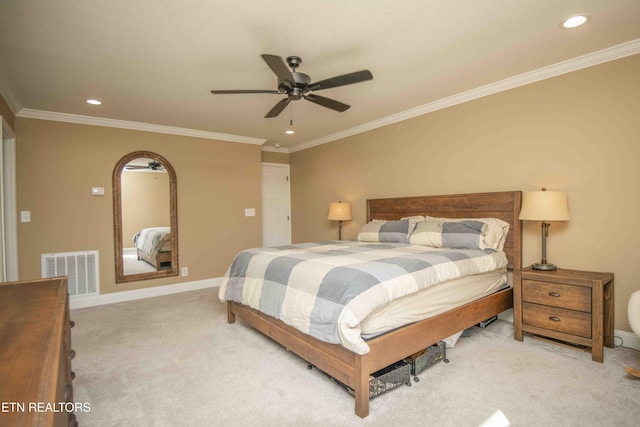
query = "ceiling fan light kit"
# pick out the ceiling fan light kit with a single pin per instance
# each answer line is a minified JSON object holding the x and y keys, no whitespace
{"x":297,"y":85}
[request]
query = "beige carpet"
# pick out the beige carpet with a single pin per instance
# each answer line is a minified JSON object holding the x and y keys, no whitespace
{"x":174,"y":361}
{"x":132,"y":265}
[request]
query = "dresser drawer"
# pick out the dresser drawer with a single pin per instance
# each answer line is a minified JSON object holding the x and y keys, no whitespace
{"x":557,"y":295}
{"x":557,"y":319}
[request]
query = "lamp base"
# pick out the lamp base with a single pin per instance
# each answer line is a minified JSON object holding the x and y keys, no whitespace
{"x":544,"y":267}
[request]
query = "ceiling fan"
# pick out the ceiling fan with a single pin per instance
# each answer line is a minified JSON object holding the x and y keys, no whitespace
{"x":152,"y":165}
{"x":298,"y":85}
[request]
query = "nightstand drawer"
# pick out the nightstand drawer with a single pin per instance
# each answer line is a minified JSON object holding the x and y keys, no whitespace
{"x":557,"y":295}
{"x":557,"y":319}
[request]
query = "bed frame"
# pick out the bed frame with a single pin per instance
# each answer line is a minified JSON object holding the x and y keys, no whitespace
{"x":354,"y":369}
{"x":161,"y":256}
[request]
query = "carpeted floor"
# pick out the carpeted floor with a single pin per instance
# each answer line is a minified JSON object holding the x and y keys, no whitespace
{"x":174,"y":361}
{"x":132,"y":265}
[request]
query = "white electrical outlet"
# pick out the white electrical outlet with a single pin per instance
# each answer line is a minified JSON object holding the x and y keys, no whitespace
{"x":184,"y":271}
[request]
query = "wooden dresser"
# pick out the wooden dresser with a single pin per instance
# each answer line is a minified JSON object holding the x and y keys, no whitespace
{"x":35,"y":354}
{"x":568,"y":305}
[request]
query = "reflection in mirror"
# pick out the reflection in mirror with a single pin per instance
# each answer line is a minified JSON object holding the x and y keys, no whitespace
{"x":145,"y":217}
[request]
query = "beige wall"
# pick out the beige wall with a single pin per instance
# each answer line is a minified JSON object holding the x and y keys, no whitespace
{"x":58,"y":163}
{"x":145,"y":202}
{"x":578,"y":133}
{"x":272,"y":157}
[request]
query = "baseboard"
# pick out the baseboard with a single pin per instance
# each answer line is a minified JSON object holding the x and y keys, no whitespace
{"x":91,"y":301}
{"x":627,"y":339}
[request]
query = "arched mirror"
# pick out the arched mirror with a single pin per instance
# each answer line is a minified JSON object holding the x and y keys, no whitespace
{"x":145,"y":217}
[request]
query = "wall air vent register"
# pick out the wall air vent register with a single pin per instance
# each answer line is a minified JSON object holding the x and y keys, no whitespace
{"x":81,"y":268}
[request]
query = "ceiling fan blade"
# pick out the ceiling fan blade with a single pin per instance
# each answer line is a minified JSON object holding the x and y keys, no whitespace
{"x":154,"y":167}
{"x":279,"y":67}
{"x":224,"y":92}
{"x":277,"y":109}
{"x":345,"y":79}
{"x":327,"y":102}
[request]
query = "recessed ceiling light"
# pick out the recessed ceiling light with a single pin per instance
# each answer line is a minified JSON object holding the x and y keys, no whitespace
{"x":575,"y":21}
{"x":289,"y":131}
{"x":93,"y":102}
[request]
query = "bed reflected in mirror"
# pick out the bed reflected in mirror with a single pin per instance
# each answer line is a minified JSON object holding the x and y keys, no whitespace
{"x":145,"y":217}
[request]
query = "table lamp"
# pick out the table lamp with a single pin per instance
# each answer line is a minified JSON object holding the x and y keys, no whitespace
{"x":544,"y":206}
{"x":340,"y":212}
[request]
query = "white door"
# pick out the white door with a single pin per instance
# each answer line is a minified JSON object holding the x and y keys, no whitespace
{"x":276,"y":205}
{"x":8,"y":224}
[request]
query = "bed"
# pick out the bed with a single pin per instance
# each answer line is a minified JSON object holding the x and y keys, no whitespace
{"x":154,"y":245}
{"x":350,"y":363}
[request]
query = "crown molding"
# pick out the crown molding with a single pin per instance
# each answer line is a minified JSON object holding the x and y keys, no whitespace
{"x":274,"y":149}
{"x":564,"y":67}
{"x":145,"y":127}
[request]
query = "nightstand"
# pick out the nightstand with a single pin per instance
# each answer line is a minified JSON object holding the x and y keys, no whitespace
{"x":568,"y":305}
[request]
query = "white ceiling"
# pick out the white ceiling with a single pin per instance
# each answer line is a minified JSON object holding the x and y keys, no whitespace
{"x":155,"y":61}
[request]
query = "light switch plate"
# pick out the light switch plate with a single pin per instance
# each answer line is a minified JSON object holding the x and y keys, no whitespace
{"x":25,"y":216}
{"x":97,"y":191}
{"x":249,"y":212}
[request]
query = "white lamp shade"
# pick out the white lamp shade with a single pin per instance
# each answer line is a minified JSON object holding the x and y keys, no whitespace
{"x":340,"y":211}
{"x":544,"y":206}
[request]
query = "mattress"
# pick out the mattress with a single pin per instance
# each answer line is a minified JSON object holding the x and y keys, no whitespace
{"x":432,"y":301}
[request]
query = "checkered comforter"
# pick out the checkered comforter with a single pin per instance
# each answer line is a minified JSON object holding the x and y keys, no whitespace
{"x":153,"y":240}
{"x":326,"y":289}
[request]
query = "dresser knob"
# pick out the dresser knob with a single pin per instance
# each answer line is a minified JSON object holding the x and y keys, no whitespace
{"x":554,"y":318}
{"x":68,"y":392}
{"x":73,"y":375}
{"x":72,"y":354}
{"x":554,"y":294}
{"x":72,"y":323}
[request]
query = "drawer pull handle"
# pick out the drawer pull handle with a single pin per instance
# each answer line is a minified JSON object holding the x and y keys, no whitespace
{"x":554,"y":294}
{"x":554,"y":318}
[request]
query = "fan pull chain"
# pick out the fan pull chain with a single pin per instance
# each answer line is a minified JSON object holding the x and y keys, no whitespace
{"x":290,"y":131}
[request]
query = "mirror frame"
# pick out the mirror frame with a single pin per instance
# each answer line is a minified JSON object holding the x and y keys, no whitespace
{"x":117,"y":218}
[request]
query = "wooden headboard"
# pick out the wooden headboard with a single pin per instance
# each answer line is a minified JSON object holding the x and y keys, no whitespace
{"x":503,"y":205}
